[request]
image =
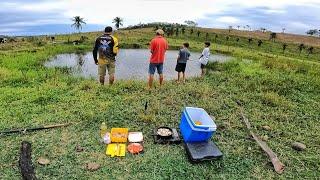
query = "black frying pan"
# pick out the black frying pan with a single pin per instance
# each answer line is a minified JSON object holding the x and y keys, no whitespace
{"x":164,"y":136}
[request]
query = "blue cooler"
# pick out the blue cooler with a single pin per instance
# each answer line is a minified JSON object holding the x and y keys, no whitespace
{"x":191,"y":132}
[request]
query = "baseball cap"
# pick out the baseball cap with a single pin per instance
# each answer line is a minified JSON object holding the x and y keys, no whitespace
{"x":160,"y":32}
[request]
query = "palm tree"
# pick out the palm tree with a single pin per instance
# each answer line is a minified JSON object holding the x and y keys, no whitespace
{"x":312,"y":32}
{"x":310,"y":50}
{"x":215,"y":40}
{"x":284,"y":47}
{"x":168,"y":31}
{"x":183,"y":30}
{"x":301,"y":47}
{"x":118,"y":22}
{"x":273,"y":36}
{"x":164,"y":28}
{"x":191,"y":31}
{"x":78,"y":22}
{"x":283,"y":29}
{"x":227,"y":39}
{"x":260,"y":43}
{"x":156,"y":27}
{"x":238,"y":27}
{"x":171,"y":30}
{"x":177,"y":31}
{"x":191,"y":23}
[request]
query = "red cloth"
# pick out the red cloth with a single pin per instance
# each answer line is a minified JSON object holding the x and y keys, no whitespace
{"x":158,"y":47}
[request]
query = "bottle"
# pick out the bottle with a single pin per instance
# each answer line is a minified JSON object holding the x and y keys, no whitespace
{"x":103,"y":129}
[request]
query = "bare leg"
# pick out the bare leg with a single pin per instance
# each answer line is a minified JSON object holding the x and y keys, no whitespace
{"x":101,"y":79}
{"x":203,"y":72}
{"x":111,"y":79}
{"x":150,"y":81}
{"x":161,"y":79}
{"x":178,"y":77}
{"x":183,"y":77}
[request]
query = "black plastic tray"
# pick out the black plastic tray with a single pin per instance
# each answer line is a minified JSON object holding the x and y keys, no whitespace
{"x":202,"y":151}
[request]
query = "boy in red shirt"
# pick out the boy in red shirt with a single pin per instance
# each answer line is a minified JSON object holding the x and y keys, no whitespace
{"x":158,"y":48}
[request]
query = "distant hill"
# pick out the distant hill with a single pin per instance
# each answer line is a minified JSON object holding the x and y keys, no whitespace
{"x":282,"y":37}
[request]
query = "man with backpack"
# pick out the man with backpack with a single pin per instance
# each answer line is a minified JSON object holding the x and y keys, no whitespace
{"x":107,"y":48}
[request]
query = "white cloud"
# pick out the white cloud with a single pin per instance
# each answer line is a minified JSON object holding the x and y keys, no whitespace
{"x":43,"y":7}
{"x":32,"y":23}
{"x":274,"y":4}
{"x":35,"y":6}
{"x":135,"y":11}
{"x":9,"y":30}
{"x":227,"y":19}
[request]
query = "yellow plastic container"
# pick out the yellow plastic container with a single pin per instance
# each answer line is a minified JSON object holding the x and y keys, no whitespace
{"x":116,"y":150}
{"x":119,"y":135}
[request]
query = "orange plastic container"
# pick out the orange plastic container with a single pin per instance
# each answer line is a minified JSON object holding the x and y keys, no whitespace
{"x":119,"y":135}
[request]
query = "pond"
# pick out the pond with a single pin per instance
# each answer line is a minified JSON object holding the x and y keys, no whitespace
{"x":130,"y":64}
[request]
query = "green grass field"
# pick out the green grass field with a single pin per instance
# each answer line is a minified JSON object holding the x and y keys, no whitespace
{"x":281,"y":91}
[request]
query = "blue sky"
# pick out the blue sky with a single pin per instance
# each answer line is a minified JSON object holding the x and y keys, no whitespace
{"x":29,"y":17}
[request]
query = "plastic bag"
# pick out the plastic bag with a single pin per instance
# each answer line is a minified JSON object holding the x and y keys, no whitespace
{"x":107,"y":138}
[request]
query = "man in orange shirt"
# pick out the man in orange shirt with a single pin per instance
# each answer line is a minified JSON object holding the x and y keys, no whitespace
{"x":158,"y":48}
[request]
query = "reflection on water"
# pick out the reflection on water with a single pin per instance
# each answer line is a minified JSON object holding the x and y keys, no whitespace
{"x":130,"y":64}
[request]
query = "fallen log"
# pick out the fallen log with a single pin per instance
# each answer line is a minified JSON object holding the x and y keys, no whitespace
{"x":32,"y":129}
{"x":25,"y":162}
{"x":277,"y":164}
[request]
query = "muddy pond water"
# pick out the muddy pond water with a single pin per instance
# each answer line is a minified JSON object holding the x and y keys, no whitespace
{"x":130,"y":64}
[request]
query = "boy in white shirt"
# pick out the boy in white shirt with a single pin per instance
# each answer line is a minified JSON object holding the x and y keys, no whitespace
{"x":204,"y":58}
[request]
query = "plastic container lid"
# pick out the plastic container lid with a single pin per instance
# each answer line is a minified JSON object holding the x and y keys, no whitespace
{"x":199,"y":114}
{"x":134,"y":137}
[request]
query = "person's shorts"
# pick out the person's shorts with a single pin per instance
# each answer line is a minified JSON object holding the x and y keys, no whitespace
{"x":154,"y":66}
{"x":181,"y":67}
{"x":203,"y":66}
{"x":109,"y":65}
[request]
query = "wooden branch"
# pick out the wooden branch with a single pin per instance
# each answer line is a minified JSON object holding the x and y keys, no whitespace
{"x":33,"y":129}
{"x":277,"y":164}
{"x":25,"y":162}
